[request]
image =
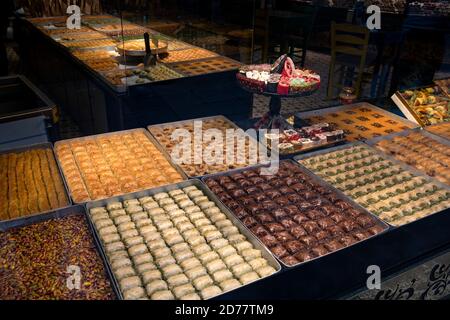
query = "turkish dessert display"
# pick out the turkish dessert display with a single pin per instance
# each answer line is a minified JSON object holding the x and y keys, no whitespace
{"x":420,"y":151}
{"x":426,"y":106}
{"x":89,"y":44}
{"x":296,"y":217}
{"x":242,"y":156}
{"x":137,"y":47}
{"x":193,"y":68}
{"x":306,"y":138}
{"x":444,"y":84}
{"x":102,"y":64}
{"x":178,"y":45}
{"x":117,"y":28}
{"x":75,"y":36}
{"x":30,"y":183}
{"x":36,"y":260}
{"x":176,"y":245}
{"x":103,"y":166}
{"x":52,"y":30}
{"x":159,"y":72}
{"x":359,"y":121}
{"x":43,"y":20}
{"x":93,"y":55}
{"x":280,"y":78}
{"x":385,"y":188}
{"x":103,"y":38}
{"x":441,"y":129}
{"x":187,"y":55}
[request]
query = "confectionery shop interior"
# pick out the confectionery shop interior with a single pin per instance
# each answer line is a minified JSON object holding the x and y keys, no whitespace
{"x":212,"y":149}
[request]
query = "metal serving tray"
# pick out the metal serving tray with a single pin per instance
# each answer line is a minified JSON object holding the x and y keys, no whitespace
{"x":57,"y":214}
{"x":404,"y":133}
{"x":319,"y":181}
{"x":437,"y":134}
{"x":405,"y":107}
{"x":385,"y":156}
{"x":421,"y":131}
{"x":147,"y":134}
{"x":319,"y":112}
{"x":16,"y":90}
{"x":183,"y":122}
{"x":243,"y":230}
{"x":46,"y":145}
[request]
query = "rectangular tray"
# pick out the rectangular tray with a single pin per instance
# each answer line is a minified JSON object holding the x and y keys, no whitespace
{"x":182,"y":122}
{"x":422,"y":131}
{"x":319,"y":181}
{"x":61,"y":213}
{"x":13,"y":90}
{"x":436,"y":125}
{"x":342,"y":108}
{"x":147,"y":134}
{"x":404,"y":106}
{"x":243,"y":230}
{"x":46,"y":145}
{"x":205,"y":66}
{"x":444,"y":84}
{"x":384,"y":155}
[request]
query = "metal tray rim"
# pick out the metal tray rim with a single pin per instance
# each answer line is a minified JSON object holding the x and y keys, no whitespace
{"x":357,"y":105}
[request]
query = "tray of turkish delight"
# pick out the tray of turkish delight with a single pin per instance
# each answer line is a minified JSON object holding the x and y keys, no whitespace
{"x":177,"y":242}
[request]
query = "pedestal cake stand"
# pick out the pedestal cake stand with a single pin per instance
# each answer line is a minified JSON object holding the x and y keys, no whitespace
{"x":273,"y":119}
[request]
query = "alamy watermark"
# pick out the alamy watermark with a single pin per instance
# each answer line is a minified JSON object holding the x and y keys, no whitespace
{"x":74,"y":20}
{"x":73,"y":281}
{"x":374,"y":280}
{"x":374,"y":20}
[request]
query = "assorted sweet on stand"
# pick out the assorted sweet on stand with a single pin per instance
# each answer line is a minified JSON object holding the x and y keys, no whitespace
{"x":278,"y":80}
{"x":305,"y":138}
{"x":281,"y":78}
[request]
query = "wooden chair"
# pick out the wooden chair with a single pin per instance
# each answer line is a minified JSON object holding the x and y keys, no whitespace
{"x":349,"y":47}
{"x":299,"y":32}
{"x":261,"y":40}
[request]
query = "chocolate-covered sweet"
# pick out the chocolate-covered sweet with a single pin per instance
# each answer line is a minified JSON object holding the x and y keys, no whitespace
{"x":297,"y":218}
{"x":290,"y":260}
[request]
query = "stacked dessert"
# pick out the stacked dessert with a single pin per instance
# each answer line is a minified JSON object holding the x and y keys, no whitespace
{"x":282,"y":78}
{"x":293,"y":140}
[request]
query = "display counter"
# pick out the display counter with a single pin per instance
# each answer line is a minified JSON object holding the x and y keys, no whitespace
{"x":299,"y":234}
{"x":103,"y":91}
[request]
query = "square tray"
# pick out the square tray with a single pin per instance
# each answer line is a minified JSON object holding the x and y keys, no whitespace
{"x":145,"y":132}
{"x":376,"y":114}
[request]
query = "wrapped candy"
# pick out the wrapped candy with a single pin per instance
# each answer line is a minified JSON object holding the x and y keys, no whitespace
{"x":283,"y":86}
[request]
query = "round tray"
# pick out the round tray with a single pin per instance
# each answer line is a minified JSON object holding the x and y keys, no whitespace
{"x":306,"y":92}
{"x":275,"y":94}
{"x":162,"y":48}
